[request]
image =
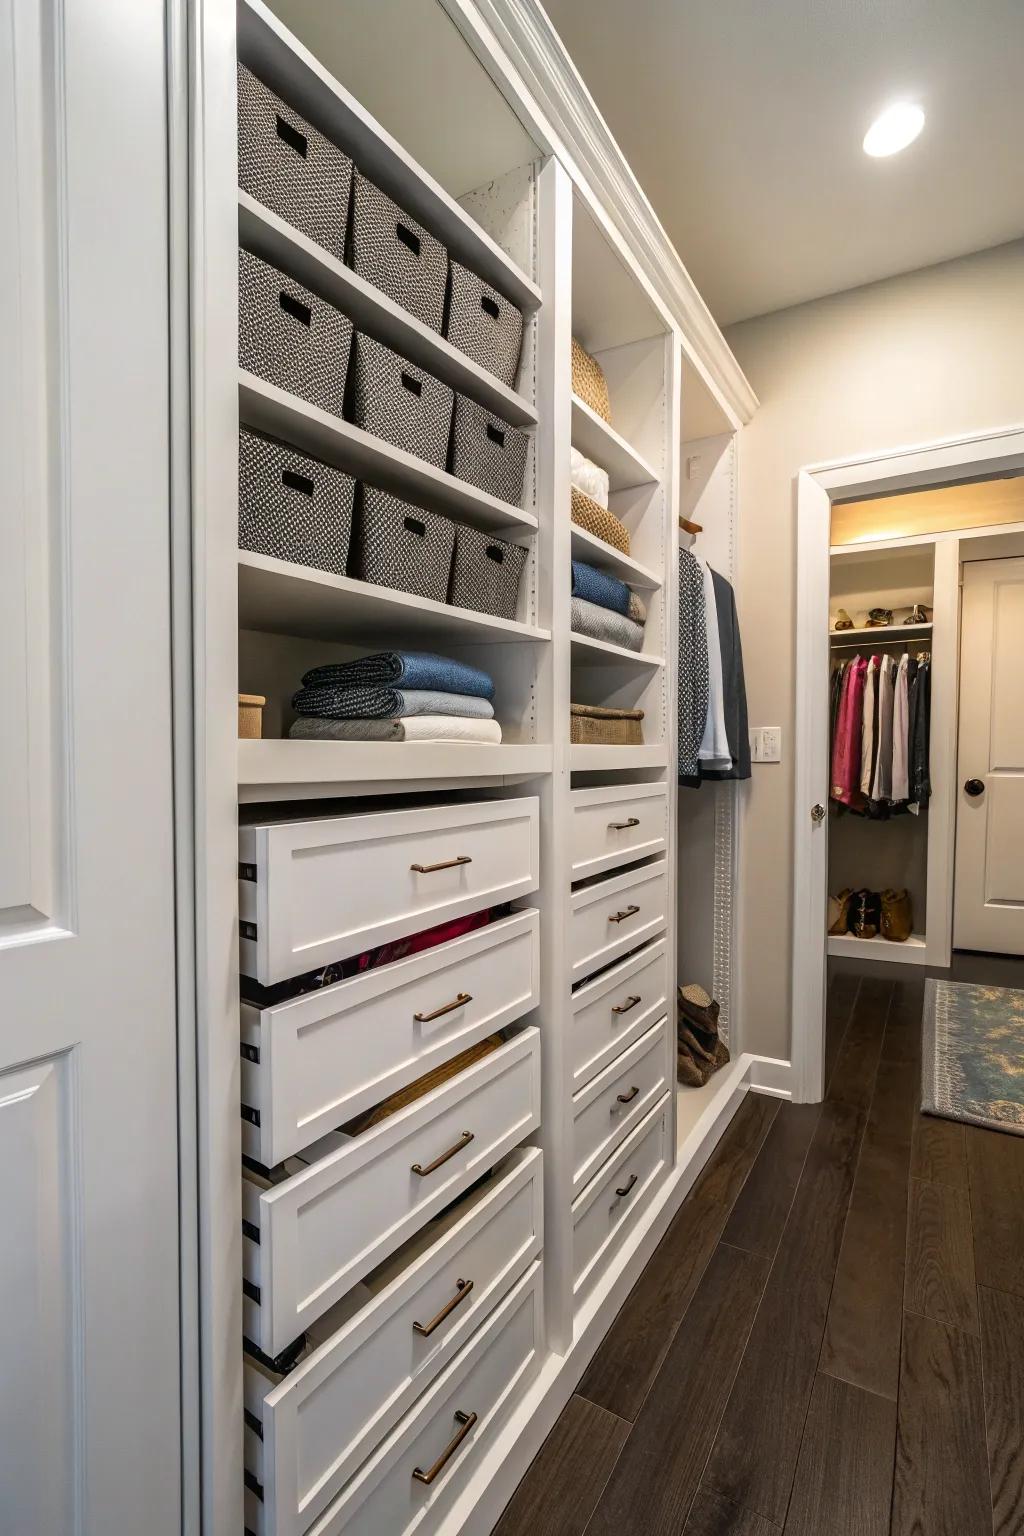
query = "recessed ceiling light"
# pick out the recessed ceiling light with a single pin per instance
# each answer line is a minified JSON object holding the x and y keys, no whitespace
{"x":894,"y":129}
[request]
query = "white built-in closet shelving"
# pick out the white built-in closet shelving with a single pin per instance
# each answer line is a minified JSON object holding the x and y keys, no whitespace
{"x":488,"y":181}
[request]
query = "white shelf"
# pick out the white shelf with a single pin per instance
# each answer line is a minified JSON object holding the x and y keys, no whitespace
{"x":912,"y":951}
{"x":600,"y":442}
{"x":267,"y":48}
{"x":284,"y":599}
{"x":587,"y":546}
{"x":264,"y":233}
{"x":274,"y":411}
{"x":275,"y":770}
{"x":592,"y":755}
{"x":886,"y":634}
{"x":585,"y":649}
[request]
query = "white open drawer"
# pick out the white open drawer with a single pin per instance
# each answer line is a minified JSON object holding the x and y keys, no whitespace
{"x":452,"y":1427}
{"x":607,"y":1108}
{"x":320,"y":1422}
{"x":313,"y":892}
{"x":328,"y":1055}
{"x":309,"y":1238}
{"x":616,"y":824}
{"x":612,"y":916}
{"x":615,"y":1009}
{"x":604,"y":1211}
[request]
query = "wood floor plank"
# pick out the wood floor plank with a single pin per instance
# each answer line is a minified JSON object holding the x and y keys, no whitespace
{"x":755,"y":1453}
{"x":853,"y":1079}
{"x":839,"y":1001}
{"x":711,"y":1515}
{"x":865,"y":1315}
{"x":1002,"y":1350}
{"x":903,"y":1026}
{"x":761,"y":1210}
{"x":625,"y":1364}
{"x":658,"y":1473}
{"x":941,"y":1484}
{"x":995,"y":1162}
{"x":940,"y":1281}
{"x":940,"y":1151}
{"x":843,"y":1484}
{"x":558,"y":1494}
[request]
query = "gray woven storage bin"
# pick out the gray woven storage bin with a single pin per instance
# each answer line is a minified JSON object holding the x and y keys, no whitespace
{"x":483,"y":324}
{"x":289,"y":337}
{"x":396,"y":254}
{"x":399,"y":402}
{"x":290,"y":167}
{"x":485,"y":573}
{"x":487,"y":452}
{"x":292,"y":507}
{"x":397,"y":545}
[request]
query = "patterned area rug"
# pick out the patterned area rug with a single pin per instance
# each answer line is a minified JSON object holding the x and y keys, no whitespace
{"x":973,"y":1054}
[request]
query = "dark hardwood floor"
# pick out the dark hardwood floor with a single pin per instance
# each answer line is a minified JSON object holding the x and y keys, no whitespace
{"x":829,"y":1340}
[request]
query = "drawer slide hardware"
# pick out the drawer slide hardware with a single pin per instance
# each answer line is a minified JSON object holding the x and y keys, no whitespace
{"x":627,"y":1098}
{"x":431,"y":869}
{"x":623,"y":826}
{"x":620,"y":917}
{"x":463,"y":1288}
{"x":629,"y":1004}
{"x":466,"y":1422}
{"x":423,"y":1169}
{"x":457,"y":1002}
{"x":624,"y":1191}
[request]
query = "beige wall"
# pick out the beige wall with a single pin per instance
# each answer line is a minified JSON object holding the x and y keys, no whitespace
{"x":935,"y":354}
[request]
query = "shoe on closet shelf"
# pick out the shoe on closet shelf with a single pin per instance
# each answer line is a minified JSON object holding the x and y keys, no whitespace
{"x":879,"y":618}
{"x":699,"y":1051}
{"x":917,"y":615}
{"x":839,"y":912}
{"x":865,"y":914}
{"x":843,"y":620}
{"x":897,"y":918}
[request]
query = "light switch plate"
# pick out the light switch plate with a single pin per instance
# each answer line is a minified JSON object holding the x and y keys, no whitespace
{"x":766,"y":744}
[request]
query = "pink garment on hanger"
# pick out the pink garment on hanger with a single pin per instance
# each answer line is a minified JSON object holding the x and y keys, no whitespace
{"x":846,"y":745}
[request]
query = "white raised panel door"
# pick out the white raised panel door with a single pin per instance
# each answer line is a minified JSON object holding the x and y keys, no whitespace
{"x":988,"y":912}
{"x":90,"y":1422}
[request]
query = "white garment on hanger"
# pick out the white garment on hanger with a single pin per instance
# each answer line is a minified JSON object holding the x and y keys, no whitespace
{"x":900,"y":731}
{"x":714,"y":748}
{"x":881,"y":788}
{"x":867,"y":727}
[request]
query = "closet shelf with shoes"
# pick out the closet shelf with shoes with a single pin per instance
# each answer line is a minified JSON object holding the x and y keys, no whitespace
{"x":880,"y":634}
{"x":909,"y":952}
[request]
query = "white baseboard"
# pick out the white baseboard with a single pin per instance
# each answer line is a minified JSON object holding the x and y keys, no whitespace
{"x":769,"y":1074}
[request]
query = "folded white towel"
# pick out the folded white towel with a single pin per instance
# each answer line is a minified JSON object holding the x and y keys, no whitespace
{"x":450,"y":728}
{"x":587,"y":477}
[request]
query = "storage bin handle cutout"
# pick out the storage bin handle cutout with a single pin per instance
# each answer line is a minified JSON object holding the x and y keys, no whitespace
{"x":496,"y":435}
{"x":415,"y":385}
{"x":414,"y":525}
{"x":488,"y":306}
{"x":296,"y":482}
{"x":292,"y":137}
{"x":295,"y":308}
{"x":408,"y":238}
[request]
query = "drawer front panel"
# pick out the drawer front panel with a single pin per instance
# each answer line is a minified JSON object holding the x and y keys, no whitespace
{"x":615,"y":915}
{"x":329,"y":1055}
{"x":616,"y":1009}
{"x":330,"y":888}
{"x":615,"y":825}
{"x":476,"y":1394}
{"x":611,"y":1104}
{"x":326,"y":1417}
{"x":327,"y":1226}
{"x":612,"y":1202}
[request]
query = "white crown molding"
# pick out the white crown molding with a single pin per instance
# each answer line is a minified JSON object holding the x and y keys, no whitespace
{"x":564,"y":114}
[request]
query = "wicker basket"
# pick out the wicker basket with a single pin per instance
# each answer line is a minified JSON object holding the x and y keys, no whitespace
{"x":589,"y":382}
{"x":250,"y":716}
{"x":290,"y":337}
{"x":426,"y":1084}
{"x":485,"y":573}
{"x":292,"y":507}
{"x":399,"y":402}
{"x":590,"y":725}
{"x":483,"y":324}
{"x":487,"y":452}
{"x":291,"y":168}
{"x":397,"y":255}
{"x":399,"y":546}
{"x":599,"y":521}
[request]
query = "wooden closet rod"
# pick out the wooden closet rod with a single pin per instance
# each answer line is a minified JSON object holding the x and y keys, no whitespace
{"x":688,"y":527}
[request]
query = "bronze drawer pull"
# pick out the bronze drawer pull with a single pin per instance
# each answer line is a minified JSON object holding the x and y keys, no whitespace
{"x":462,"y":1290}
{"x":430,"y":869}
{"x":627,"y":1098}
{"x":626,"y":1187}
{"x":463,"y":1141}
{"x":466,"y":1420}
{"x":620,"y":917}
{"x":630,"y":1002}
{"x":456,"y":1002}
{"x":622,"y":826}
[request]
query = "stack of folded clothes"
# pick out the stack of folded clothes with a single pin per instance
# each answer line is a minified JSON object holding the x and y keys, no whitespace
{"x":396,"y":696}
{"x":604,"y":608}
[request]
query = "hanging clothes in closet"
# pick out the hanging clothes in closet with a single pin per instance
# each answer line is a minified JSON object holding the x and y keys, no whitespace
{"x":713,"y":737}
{"x":880,"y":719}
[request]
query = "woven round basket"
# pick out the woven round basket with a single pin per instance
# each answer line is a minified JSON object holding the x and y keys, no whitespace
{"x":599,"y":521}
{"x":589,"y":382}
{"x":591,"y":725}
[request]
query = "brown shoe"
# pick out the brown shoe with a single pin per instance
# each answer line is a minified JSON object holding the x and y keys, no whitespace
{"x":839,"y":912}
{"x":897,"y":920}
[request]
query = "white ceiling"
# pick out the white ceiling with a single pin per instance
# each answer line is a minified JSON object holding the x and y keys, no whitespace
{"x":743,"y":121}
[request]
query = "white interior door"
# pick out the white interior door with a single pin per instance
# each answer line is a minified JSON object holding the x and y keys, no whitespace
{"x":988,"y":909}
{"x":89,"y":1381}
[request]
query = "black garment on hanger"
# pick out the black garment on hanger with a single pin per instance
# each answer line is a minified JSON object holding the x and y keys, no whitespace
{"x":920,"y":704}
{"x":693,"y":667}
{"x":734,"y":691}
